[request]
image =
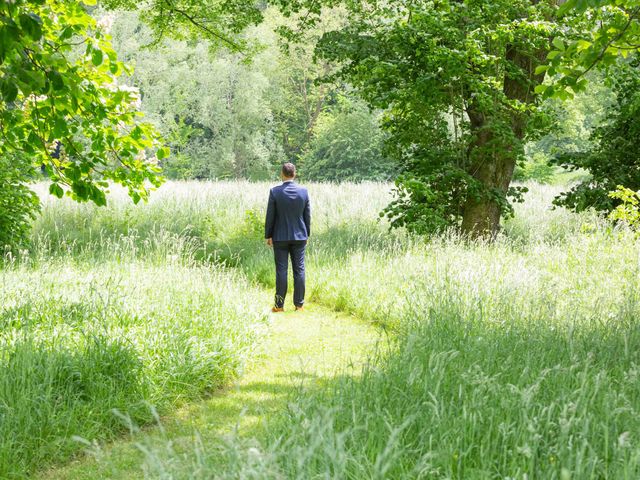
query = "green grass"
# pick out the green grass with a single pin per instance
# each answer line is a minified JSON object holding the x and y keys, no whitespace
{"x":489,"y":388}
{"x":303,"y":351}
{"x":516,"y":359}
{"x":80,"y":341}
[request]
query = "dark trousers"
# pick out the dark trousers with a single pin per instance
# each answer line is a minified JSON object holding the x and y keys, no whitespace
{"x":281,"y":253}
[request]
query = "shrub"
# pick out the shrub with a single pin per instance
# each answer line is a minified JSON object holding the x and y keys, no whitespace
{"x":629,"y":210}
{"x":18,"y":204}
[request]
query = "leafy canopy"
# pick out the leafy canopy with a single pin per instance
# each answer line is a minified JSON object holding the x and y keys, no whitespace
{"x":219,"y":22}
{"x":612,"y":30}
{"x":456,"y":81}
{"x":61,"y":104}
{"x":614,"y":158}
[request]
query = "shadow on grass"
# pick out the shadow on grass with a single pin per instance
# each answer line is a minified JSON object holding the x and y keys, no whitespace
{"x":237,"y":413}
{"x":49,"y":394}
{"x":228,"y":421}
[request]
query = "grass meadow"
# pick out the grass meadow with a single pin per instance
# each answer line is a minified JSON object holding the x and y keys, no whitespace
{"x":517,"y":359}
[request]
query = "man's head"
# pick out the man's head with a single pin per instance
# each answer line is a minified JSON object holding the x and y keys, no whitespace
{"x":288,"y":171}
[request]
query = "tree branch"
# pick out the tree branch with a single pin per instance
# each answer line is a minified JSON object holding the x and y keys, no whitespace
{"x":201,"y":26}
{"x":600,"y":56}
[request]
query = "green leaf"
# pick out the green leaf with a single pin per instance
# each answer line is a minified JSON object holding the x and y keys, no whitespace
{"x":163,"y":152}
{"x":541,"y":69}
{"x":66,"y":34}
{"x":582,"y":84}
{"x":31,"y":25}
{"x":98,"y":197}
{"x":541,"y":88}
{"x":582,"y":45}
{"x":81,"y":190}
{"x":57,"y":82}
{"x":56,"y":190}
{"x":9,"y":90}
{"x":89,"y":2}
{"x":59,"y":127}
{"x":553,"y":54}
{"x":559,"y":44}
{"x":96,"y":57}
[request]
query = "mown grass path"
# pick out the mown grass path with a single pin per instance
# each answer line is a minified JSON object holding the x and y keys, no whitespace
{"x":301,"y":350}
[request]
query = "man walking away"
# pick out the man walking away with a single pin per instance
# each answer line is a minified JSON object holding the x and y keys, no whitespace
{"x":287,"y":228}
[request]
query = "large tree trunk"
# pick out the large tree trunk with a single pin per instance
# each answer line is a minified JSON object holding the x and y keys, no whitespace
{"x":494,"y":167}
{"x":481,"y":217}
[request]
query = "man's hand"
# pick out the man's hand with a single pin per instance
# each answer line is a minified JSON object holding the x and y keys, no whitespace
{"x":270,"y":242}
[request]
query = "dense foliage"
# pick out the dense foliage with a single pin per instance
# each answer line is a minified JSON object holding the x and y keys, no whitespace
{"x":221,"y":23}
{"x":18,"y":204}
{"x":614,"y":158}
{"x":59,"y":93}
{"x":229,"y":114}
{"x":613,"y":32}
{"x":457,"y":81}
{"x":212,"y":108}
{"x":347,"y":146}
{"x":478,"y":63}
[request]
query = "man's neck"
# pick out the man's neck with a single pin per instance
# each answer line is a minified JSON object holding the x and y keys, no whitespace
{"x":285,"y":180}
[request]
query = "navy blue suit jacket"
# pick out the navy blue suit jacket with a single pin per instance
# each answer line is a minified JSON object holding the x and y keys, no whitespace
{"x":288,"y":213}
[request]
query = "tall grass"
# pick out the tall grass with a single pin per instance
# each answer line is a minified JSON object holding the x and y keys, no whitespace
{"x":80,"y":341}
{"x":517,"y":359}
{"x":462,"y":397}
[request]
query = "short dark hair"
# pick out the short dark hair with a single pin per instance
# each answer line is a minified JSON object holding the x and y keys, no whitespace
{"x":289,"y":170}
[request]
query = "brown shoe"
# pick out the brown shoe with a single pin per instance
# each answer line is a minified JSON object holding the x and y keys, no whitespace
{"x":299,"y":309}
{"x":277,"y":310}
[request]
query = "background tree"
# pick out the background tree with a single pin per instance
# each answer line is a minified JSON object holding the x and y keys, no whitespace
{"x":228,"y":114}
{"x":348,"y":146}
{"x":614,"y":159}
{"x":211,"y":106}
{"x":457,"y":81}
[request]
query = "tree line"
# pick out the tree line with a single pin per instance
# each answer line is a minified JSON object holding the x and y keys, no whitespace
{"x":228,"y":114}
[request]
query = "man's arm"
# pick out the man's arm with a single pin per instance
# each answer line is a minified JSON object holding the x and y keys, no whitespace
{"x":270,"y":221}
{"x":307,"y":216}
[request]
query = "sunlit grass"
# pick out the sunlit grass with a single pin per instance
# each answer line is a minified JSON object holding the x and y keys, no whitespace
{"x":303,"y":351}
{"x":78,"y":341}
{"x":513,"y":358}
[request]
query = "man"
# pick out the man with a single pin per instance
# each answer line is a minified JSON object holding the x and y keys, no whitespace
{"x":286,"y":229}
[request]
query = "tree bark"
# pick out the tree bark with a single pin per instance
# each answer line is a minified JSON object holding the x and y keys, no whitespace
{"x":494,"y":169}
{"x":481,"y":216}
